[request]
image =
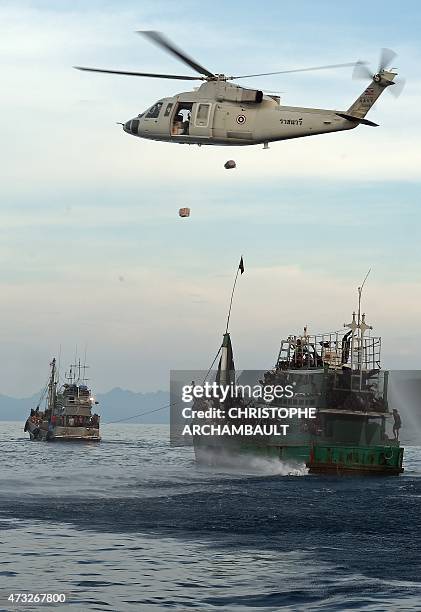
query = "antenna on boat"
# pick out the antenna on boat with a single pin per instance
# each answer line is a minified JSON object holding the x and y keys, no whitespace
{"x":74,"y":365}
{"x":360,"y":291}
{"x":358,"y":327}
{"x":85,"y":367}
{"x":362,"y":328}
{"x":239,"y":269}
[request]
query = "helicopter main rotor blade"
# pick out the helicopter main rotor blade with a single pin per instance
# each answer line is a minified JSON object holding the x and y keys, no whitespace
{"x":246,"y":76}
{"x":160,"y":40}
{"x":142,"y":74}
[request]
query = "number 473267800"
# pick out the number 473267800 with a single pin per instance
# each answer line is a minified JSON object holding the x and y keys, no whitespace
{"x":40,"y":598}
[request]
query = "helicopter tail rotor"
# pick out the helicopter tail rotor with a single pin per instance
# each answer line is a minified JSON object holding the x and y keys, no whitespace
{"x":386,"y":58}
{"x":362,"y":72}
{"x":398,"y":88}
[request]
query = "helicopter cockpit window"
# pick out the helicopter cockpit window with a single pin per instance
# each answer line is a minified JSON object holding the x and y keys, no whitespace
{"x":168,"y":109}
{"x":154,"y":111}
{"x":134,"y":126}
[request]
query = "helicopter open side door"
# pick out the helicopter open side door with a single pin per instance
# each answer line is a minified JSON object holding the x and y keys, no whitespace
{"x":201,"y":123}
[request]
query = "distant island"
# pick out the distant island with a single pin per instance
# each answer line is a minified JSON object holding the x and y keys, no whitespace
{"x":117,"y":404}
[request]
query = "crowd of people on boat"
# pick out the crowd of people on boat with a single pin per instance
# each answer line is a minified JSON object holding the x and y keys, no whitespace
{"x":76,"y":420}
{"x":36,"y":416}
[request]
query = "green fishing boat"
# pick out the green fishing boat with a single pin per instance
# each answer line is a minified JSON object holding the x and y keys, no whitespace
{"x":338,"y":376}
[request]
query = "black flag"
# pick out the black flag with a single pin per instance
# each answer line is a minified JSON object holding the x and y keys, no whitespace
{"x":241,"y":266}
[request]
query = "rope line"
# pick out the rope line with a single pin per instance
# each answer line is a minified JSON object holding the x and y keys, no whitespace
{"x":166,"y":405}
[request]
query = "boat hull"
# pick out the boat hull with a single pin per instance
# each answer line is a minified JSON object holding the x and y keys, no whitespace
{"x":319,"y":459}
{"x":376,"y":460}
{"x":41,"y":432}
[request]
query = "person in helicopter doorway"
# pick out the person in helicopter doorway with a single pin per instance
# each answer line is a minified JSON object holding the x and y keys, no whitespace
{"x":397,"y":423}
{"x":186,"y":121}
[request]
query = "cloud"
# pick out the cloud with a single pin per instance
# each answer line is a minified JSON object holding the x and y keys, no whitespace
{"x":139,"y":330}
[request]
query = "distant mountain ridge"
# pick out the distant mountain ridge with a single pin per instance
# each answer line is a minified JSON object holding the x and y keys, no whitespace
{"x":115,"y":405}
{"x":121,"y":404}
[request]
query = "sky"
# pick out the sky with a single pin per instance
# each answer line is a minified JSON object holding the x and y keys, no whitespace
{"x":93,"y":254}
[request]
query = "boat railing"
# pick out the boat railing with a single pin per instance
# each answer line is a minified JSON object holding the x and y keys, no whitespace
{"x":336,"y":350}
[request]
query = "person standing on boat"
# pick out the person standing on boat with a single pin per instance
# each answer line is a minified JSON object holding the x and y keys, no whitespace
{"x":397,"y":423}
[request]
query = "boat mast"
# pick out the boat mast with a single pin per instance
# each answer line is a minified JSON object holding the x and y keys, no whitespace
{"x":363,"y":327}
{"x":52,"y":386}
{"x":358,"y":327}
{"x":360,"y":291}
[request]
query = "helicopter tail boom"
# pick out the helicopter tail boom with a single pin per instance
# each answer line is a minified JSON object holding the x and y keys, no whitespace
{"x":365,"y":101}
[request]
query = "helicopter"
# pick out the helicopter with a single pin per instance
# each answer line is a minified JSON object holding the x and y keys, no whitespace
{"x":220,"y":112}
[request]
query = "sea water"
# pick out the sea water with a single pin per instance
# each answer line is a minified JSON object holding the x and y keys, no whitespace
{"x":133,"y":524}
